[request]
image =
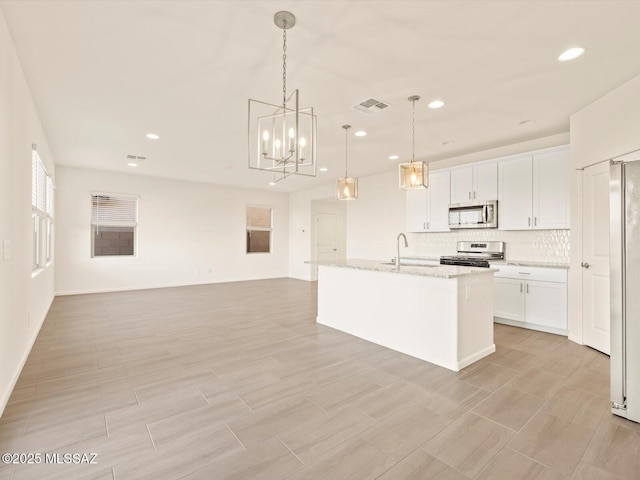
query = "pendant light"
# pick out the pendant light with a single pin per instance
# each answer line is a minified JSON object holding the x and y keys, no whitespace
{"x":413,"y":175}
{"x":282,"y":138}
{"x":346,"y":187}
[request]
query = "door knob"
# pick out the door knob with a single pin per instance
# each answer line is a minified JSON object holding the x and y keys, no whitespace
{"x":585,"y":265}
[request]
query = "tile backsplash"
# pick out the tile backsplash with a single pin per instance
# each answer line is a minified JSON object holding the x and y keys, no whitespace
{"x":551,"y":246}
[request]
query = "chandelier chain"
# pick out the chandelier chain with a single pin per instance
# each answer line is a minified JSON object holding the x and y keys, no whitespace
{"x":284,"y":65}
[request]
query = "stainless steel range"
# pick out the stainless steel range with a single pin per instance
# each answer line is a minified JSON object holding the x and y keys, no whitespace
{"x":475,"y":254}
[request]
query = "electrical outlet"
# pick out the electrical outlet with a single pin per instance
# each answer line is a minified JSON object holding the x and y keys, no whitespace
{"x":6,"y":249}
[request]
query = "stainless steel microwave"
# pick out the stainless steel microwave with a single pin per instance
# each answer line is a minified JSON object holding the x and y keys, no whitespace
{"x":474,"y":215}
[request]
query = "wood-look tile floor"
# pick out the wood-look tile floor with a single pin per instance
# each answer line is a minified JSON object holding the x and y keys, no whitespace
{"x":237,"y":381}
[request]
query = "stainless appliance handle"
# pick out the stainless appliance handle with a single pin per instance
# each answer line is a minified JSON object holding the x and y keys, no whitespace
{"x":617,"y":283}
{"x":485,"y":210}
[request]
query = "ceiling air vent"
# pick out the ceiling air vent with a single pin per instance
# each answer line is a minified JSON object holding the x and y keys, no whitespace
{"x":370,"y":106}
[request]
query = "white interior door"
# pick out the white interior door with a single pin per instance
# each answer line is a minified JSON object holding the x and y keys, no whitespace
{"x":595,"y":257}
{"x":327,"y":236}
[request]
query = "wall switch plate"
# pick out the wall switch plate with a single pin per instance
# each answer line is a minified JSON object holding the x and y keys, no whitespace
{"x":6,"y":249}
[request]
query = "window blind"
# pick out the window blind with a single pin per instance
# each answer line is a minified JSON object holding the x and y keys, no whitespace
{"x":41,"y":187}
{"x":258,"y":218}
{"x":114,"y":210}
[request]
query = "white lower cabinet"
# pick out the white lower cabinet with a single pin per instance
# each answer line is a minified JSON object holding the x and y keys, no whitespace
{"x":529,"y":297}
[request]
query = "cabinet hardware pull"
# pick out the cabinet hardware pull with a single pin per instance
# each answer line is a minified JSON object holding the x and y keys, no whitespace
{"x":529,"y":221}
{"x":424,"y":225}
{"x":585,"y":265}
{"x":524,"y":273}
{"x":535,"y":221}
{"x":520,"y":287}
{"x":427,"y":225}
{"x":474,"y":195}
{"x":527,"y":288}
{"x":469,"y":195}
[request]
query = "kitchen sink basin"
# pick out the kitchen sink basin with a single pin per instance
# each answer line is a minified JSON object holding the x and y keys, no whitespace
{"x":408,"y":264}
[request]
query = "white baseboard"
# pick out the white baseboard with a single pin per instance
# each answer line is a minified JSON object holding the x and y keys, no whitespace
{"x":152,"y":287}
{"x":465,"y":362}
{"x":531,"y":326}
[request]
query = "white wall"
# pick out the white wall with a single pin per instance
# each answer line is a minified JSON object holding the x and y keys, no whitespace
{"x":24,"y":301}
{"x":188,"y":233}
{"x":605,"y":129}
{"x":376,"y":218}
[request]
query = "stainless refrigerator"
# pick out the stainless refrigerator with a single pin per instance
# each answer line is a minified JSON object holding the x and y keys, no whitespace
{"x":625,"y":287}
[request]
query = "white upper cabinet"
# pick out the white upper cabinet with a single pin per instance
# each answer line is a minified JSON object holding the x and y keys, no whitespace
{"x":461,"y":185}
{"x":515,"y":193}
{"x":428,"y":209}
{"x":439,"y":199}
{"x":479,"y":182}
{"x":417,"y":209}
{"x":551,"y":190}
{"x":533,"y":192}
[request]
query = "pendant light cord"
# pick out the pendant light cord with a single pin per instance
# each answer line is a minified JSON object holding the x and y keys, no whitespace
{"x":413,"y":126}
{"x":346,"y":156}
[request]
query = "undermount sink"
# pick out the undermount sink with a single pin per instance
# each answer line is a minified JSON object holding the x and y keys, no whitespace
{"x":408,"y":264}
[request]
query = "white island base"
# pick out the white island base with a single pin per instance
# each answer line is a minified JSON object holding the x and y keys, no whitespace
{"x":445,"y":320}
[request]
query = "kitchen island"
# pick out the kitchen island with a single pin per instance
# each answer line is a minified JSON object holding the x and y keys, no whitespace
{"x":442,"y":314}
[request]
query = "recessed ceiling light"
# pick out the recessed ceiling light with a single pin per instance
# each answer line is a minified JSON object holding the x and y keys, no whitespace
{"x":436,"y":104}
{"x":447,"y":143}
{"x":360,"y":133}
{"x":153,"y":136}
{"x":571,"y":54}
{"x":272,"y":183}
{"x":527,"y":122}
{"x":324,"y":169}
{"x":394,"y":157}
{"x":132,"y":164}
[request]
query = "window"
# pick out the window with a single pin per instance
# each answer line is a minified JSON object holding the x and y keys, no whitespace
{"x":42,"y":192}
{"x":259,"y":229}
{"x":114,"y":219}
{"x":49,"y":221}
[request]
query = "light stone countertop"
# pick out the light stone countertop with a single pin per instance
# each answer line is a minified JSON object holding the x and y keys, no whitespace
{"x":438,"y":271}
{"x":523,"y":263}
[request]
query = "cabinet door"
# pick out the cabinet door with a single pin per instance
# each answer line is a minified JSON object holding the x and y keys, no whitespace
{"x":439,"y":199}
{"x":515,"y":201}
{"x":485,"y":182}
{"x":546,"y":304}
{"x":461,"y":185}
{"x":551,"y":190}
{"x":417,"y":202}
{"x":508,"y":298}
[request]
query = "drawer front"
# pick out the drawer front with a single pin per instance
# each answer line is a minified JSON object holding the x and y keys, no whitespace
{"x":531,"y":273}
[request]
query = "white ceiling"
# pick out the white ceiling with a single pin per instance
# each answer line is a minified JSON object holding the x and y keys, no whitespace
{"x":104,"y":73}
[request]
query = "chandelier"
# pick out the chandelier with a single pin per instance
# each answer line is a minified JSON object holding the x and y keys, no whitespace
{"x":414,"y":175}
{"x":346,"y":187}
{"x":282,"y":138}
